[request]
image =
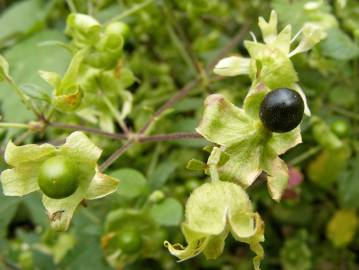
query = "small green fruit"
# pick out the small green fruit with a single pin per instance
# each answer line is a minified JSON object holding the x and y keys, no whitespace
{"x":129,"y":240}
{"x":340,"y":128}
{"x":58,"y":177}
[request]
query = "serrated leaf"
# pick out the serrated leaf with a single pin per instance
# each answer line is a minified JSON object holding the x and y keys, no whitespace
{"x":196,"y":165}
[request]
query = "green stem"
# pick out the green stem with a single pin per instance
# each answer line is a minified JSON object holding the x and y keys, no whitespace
{"x":130,"y":11}
{"x":72,"y":6}
{"x":24,"y":98}
{"x":13,"y":125}
{"x":307,"y":154}
{"x":214,"y":173}
{"x":115,"y":113}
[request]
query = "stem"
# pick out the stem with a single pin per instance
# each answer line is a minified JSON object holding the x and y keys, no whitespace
{"x":72,"y":6}
{"x":307,"y":154}
{"x":130,"y":11}
{"x":170,"y":137}
{"x":214,"y":173}
{"x":24,"y":98}
{"x":115,"y":113}
{"x":169,"y":103}
{"x":115,"y":156}
{"x":178,"y":96}
{"x":97,"y":131}
{"x":183,"y":52}
{"x":344,"y":112}
{"x":14,"y":125}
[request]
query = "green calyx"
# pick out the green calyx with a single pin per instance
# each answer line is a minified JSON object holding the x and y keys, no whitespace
{"x":251,"y":148}
{"x":212,"y":212}
{"x":66,"y":175}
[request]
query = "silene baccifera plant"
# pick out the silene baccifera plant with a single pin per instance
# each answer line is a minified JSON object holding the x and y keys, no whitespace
{"x":247,"y":141}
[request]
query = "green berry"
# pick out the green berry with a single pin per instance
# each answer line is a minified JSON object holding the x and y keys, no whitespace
{"x":129,"y":240}
{"x":58,"y":177}
{"x":340,"y":128}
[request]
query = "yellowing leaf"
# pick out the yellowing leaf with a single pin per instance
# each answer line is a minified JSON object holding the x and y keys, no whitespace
{"x":342,"y":227}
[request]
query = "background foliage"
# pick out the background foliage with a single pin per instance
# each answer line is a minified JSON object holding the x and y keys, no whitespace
{"x":170,"y":43}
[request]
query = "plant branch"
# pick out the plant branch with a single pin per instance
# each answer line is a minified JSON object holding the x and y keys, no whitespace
{"x":115,"y":156}
{"x":170,"y":137}
{"x":175,"y":98}
{"x":14,"y":125}
{"x":117,"y":136}
{"x":169,"y":103}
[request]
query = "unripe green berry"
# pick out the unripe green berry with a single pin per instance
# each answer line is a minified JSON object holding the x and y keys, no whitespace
{"x":58,"y":177}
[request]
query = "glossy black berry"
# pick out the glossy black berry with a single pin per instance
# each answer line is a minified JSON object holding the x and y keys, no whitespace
{"x":281,"y":110}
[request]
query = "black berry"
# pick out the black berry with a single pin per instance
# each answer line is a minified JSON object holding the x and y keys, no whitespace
{"x":281,"y":110}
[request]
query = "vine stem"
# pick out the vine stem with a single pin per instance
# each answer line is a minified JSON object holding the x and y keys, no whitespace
{"x":141,"y":138}
{"x":117,"y":136}
{"x":175,"y":98}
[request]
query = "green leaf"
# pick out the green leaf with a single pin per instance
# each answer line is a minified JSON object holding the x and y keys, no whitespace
{"x":8,"y":207}
{"x":25,"y":59}
{"x":132,"y":183}
{"x":338,"y":45}
{"x":348,"y":186}
{"x":161,"y":174}
{"x":4,"y":68}
{"x":21,"y":18}
{"x":196,"y":165}
{"x":326,"y":168}
{"x":295,"y":254}
{"x":167,"y":213}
